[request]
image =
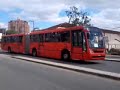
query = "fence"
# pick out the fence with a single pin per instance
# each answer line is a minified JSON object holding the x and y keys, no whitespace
{"x":113,"y":48}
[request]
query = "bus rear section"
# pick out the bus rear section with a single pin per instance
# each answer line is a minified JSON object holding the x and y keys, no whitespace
{"x":13,"y":43}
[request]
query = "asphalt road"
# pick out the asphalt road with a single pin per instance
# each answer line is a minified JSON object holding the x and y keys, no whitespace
{"x":110,"y":66}
{"x":23,"y":75}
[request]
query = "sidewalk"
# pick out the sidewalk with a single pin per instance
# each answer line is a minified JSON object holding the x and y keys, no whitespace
{"x":113,"y":58}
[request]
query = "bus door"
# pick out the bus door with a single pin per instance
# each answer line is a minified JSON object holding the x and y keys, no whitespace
{"x":21,"y":44}
{"x":41,"y":45}
{"x":76,"y":50}
{"x":26,"y":44}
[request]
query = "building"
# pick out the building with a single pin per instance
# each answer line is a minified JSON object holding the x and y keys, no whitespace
{"x":19,"y":26}
{"x":112,"y":39}
{"x":2,"y":30}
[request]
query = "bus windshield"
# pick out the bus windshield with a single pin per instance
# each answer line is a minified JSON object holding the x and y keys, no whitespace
{"x":96,"y":39}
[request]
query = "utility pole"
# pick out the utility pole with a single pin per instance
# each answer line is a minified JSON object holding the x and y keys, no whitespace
{"x":32,"y":23}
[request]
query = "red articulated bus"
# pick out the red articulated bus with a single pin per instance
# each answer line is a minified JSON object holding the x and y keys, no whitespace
{"x":15,"y":43}
{"x":76,"y":43}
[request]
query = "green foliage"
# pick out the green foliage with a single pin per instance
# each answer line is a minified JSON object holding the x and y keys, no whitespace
{"x":77,"y":17}
{"x":11,"y":32}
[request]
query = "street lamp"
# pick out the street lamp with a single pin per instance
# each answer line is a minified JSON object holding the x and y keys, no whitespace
{"x":32,"y":23}
{"x":24,"y":27}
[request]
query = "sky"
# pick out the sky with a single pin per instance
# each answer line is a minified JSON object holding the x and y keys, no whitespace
{"x":45,"y":13}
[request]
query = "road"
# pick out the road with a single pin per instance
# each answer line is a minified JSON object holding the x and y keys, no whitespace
{"x":110,"y":66}
{"x":23,"y":75}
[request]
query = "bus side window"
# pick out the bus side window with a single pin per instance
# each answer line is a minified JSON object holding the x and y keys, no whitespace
{"x":77,"y":38}
{"x":34,"y":38}
{"x":13,"y":39}
{"x":41,"y":38}
{"x":16,"y":39}
{"x":8,"y":39}
{"x":57,"y":36}
{"x":84,"y":42}
{"x":65,"y":36}
{"x":47,"y":37}
{"x":74,"y":39}
{"x":80,"y":38}
{"x":20,"y":39}
{"x":31,"y":38}
{"x":54,"y":37}
{"x":3,"y":39}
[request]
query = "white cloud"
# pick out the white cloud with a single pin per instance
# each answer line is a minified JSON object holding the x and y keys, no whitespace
{"x":3,"y":25}
{"x":108,"y":18}
{"x":41,"y":9}
{"x":107,"y":12}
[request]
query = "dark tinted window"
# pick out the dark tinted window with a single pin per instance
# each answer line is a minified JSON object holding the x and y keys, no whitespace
{"x":65,"y":36}
{"x":20,"y":39}
{"x":34,"y":38}
{"x":57,"y":37}
{"x":41,"y":38}
{"x":8,"y":39}
{"x":3,"y":39}
{"x":52,"y":37}
{"x":12,"y":39}
{"x":77,"y":38}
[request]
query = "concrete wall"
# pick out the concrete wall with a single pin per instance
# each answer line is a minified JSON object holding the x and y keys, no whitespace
{"x":0,"y":36}
{"x":0,"y":39}
{"x":112,"y":42}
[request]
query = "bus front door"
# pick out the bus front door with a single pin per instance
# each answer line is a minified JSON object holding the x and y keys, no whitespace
{"x":76,"y":51}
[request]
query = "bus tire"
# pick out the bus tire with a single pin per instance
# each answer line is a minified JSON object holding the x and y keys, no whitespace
{"x":65,"y":55}
{"x":34,"y":52}
{"x":9,"y":50}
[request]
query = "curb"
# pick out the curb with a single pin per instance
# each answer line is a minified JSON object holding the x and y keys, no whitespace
{"x":110,"y":75}
{"x":115,"y":60}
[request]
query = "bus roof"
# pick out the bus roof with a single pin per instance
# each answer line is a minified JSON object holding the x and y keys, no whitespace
{"x":59,"y":29}
{"x":13,"y":35}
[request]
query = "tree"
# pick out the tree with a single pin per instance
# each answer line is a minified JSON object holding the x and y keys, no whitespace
{"x":77,"y":17}
{"x":11,"y":32}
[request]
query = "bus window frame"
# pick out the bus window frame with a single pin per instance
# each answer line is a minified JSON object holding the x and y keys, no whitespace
{"x":57,"y":37}
{"x":78,"y":44}
{"x":84,"y":41}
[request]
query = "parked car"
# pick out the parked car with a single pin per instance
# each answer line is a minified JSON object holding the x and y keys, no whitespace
{"x":114,"y":51}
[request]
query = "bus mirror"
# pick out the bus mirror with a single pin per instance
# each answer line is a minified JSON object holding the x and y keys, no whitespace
{"x":88,"y":35}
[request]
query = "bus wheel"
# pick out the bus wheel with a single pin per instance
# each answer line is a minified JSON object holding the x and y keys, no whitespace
{"x":65,"y":55}
{"x":9,"y":49}
{"x":34,"y":52}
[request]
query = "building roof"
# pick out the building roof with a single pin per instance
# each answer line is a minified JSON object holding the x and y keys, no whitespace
{"x":111,"y":31}
{"x":67,"y":25}
{"x":17,"y":20}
